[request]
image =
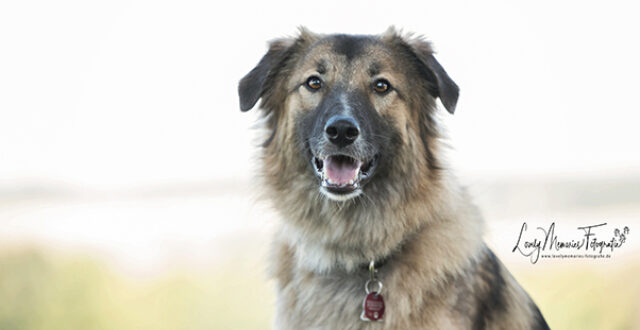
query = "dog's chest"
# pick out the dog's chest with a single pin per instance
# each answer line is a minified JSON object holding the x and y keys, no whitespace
{"x":311,"y":301}
{"x":324,"y":302}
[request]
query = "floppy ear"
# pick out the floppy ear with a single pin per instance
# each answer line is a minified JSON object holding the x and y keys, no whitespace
{"x":254,"y":84}
{"x":446,"y":89}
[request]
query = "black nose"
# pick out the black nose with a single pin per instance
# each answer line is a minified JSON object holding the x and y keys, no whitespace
{"x":341,"y":130}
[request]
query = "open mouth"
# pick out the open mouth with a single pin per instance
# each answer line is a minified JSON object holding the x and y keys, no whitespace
{"x":342,"y":174}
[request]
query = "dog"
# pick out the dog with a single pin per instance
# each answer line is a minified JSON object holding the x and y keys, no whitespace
{"x":376,"y":233}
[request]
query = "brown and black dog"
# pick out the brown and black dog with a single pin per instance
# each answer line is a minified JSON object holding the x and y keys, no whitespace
{"x":352,"y":161}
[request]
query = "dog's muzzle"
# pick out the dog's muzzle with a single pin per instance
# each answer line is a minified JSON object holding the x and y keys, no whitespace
{"x":342,"y":174}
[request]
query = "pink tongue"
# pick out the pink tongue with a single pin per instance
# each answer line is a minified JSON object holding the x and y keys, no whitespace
{"x":340,"y":171}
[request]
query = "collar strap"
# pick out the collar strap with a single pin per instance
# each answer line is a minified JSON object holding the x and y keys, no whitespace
{"x":377,"y":264}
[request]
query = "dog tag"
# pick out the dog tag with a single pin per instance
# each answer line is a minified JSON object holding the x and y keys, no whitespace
{"x":372,"y":307}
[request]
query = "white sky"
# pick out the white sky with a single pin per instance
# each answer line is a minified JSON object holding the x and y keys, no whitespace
{"x":111,"y":94}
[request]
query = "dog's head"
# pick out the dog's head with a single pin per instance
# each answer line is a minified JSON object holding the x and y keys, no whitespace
{"x":349,"y":115}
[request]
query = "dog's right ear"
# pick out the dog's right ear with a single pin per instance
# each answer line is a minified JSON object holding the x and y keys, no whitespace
{"x":443,"y":86}
{"x":256,"y":82}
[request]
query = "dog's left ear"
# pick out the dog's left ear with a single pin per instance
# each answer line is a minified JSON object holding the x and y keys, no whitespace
{"x":445,"y":88}
{"x":255,"y":83}
{"x":263,"y":78}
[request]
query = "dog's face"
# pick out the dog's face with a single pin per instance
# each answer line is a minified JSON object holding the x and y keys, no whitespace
{"x":349,"y":114}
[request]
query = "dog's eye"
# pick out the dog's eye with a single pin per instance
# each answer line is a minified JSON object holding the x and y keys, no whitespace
{"x":314,"y":83}
{"x":381,"y":86}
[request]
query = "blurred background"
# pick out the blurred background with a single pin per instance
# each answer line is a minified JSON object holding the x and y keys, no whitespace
{"x":126,"y":191}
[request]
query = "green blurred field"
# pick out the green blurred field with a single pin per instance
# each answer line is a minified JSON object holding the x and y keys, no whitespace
{"x":576,"y":297}
{"x":53,"y":293}
{"x":45,"y":291}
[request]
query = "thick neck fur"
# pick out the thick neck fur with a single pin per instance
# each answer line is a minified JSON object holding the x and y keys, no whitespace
{"x":342,"y":236}
{"x":342,"y":243}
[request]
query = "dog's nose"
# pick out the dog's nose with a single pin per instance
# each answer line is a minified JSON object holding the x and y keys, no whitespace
{"x":342,"y":130}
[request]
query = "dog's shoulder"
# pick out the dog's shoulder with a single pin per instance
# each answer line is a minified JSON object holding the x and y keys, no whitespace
{"x":501,"y":302}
